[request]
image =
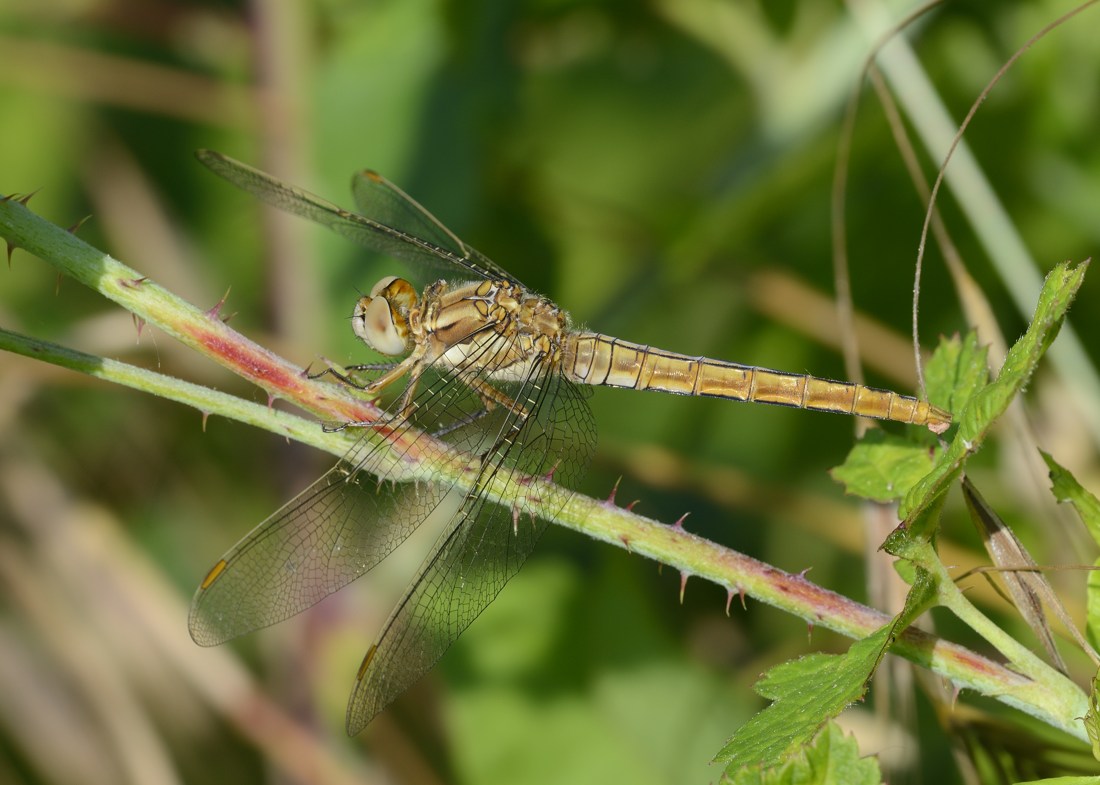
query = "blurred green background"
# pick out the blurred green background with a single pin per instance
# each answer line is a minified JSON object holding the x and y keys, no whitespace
{"x":663,"y":171}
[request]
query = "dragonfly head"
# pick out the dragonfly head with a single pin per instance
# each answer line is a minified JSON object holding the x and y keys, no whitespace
{"x":381,"y":320}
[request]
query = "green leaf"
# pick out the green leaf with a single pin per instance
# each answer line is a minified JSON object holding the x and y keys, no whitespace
{"x":1092,"y":717}
{"x":1092,"y":605}
{"x":1066,"y":489}
{"x":883,"y":467}
{"x":1064,"y":781}
{"x":990,"y":402}
{"x":906,"y":570}
{"x":810,"y":691}
{"x":832,"y":760}
{"x":958,"y":369}
{"x":807,"y":692}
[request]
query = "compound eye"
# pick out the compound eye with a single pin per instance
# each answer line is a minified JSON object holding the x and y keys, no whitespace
{"x":382,"y":284}
{"x":382,"y":319}
{"x":377,"y":324}
{"x":398,"y":292}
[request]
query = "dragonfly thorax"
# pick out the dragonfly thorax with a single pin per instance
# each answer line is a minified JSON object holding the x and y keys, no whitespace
{"x":381,"y":319}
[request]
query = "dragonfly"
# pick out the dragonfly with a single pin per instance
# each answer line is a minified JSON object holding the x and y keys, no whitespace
{"x":498,"y":375}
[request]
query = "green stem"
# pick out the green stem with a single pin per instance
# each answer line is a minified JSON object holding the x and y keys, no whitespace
{"x":201,"y":330}
{"x":204,"y":399}
{"x":1057,"y":689}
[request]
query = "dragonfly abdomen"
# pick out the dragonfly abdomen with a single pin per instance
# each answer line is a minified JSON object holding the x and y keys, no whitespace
{"x":606,"y":361}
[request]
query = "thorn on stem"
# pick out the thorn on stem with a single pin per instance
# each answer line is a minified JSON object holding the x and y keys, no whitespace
{"x":217,"y":307}
{"x":680,"y":521}
{"x":683,"y":585}
{"x":614,"y":489}
{"x":205,"y":417}
{"x":76,"y":226}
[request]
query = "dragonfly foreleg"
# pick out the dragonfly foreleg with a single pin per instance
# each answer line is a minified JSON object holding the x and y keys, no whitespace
{"x":412,"y":365}
{"x":349,"y":374}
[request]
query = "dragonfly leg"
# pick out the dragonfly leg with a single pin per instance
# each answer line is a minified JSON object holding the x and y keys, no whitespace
{"x":462,"y":422}
{"x":348,"y":374}
{"x":490,"y":396}
{"x":489,"y":401}
{"x":405,"y":404}
{"x":413,"y":365}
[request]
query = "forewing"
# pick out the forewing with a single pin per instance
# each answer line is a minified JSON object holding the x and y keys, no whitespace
{"x":415,"y":236}
{"x":484,"y":544}
{"x":383,"y":201}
